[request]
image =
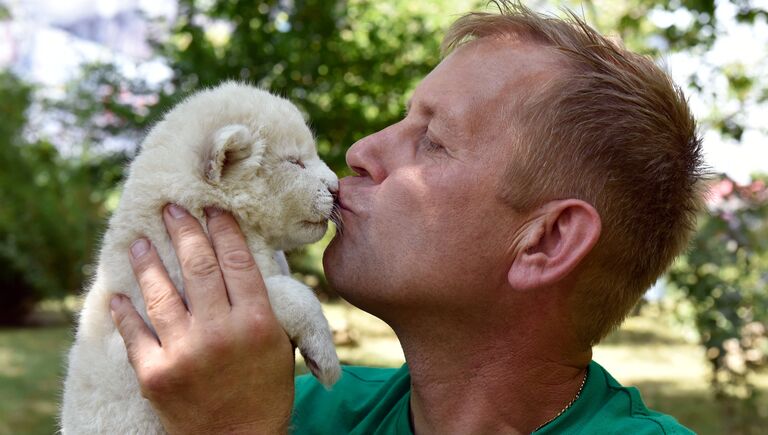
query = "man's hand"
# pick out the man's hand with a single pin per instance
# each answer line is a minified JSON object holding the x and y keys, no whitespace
{"x":221,"y":364}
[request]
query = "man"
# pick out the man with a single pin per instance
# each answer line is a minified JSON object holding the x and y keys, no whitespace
{"x":542,"y":179}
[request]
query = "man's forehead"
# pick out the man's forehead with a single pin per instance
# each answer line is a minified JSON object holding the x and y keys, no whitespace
{"x":492,"y":66}
{"x":485,"y":79}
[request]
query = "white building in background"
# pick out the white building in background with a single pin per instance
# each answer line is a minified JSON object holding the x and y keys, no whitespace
{"x":46,"y":41}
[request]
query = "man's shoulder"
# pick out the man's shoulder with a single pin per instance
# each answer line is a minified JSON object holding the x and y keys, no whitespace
{"x":619,"y":409}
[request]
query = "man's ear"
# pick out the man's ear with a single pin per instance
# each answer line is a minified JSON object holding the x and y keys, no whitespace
{"x":229,"y":145}
{"x":557,"y":240}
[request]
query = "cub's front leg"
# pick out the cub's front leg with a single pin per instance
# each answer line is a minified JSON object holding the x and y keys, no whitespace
{"x":299,"y":312}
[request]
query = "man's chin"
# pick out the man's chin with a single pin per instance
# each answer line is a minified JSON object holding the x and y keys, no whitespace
{"x":342,"y":279}
{"x":347,"y":278}
{"x":330,"y":258}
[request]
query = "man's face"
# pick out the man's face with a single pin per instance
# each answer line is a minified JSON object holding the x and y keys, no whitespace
{"x":424,"y":226}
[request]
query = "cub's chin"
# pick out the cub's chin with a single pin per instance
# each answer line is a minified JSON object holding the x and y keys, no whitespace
{"x":301,"y":233}
{"x":313,"y":230}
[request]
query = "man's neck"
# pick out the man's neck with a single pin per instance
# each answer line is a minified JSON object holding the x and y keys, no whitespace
{"x":475,"y":380}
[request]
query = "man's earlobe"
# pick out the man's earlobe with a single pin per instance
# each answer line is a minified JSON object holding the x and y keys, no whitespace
{"x":229,"y":145}
{"x":554,"y":244}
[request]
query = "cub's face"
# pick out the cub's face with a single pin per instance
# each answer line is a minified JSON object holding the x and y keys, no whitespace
{"x":270,"y":176}
{"x":300,"y":189}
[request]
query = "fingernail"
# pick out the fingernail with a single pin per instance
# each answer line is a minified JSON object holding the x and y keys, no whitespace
{"x":176,"y":211}
{"x":115,"y":302}
{"x":139,"y":248}
{"x":212,"y":211}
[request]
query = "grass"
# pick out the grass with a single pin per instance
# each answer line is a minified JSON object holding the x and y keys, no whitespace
{"x":30,"y":378}
{"x":651,"y":353}
{"x":647,"y":352}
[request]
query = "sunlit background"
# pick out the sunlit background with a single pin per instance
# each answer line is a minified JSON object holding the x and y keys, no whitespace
{"x":82,"y":80}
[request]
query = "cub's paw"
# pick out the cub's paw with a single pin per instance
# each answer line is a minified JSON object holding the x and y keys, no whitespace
{"x":320,"y":356}
{"x":299,"y":312}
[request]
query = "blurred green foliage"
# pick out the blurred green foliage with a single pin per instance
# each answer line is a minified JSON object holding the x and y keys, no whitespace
{"x":694,"y":27}
{"x":16,"y":294}
{"x":52,"y":210}
{"x":723,"y":286}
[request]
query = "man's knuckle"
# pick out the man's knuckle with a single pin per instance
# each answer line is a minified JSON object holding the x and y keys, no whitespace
{"x":249,"y":332}
{"x":158,"y":301}
{"x":188,"y":230}
{"x":167,"y":376}
{"x":223,"y":227}
{"x":219,"y":344}
{"x":238,"y":259}
{"x":260,"y":328}
{"x":137,"y":356}
{"x":151,"y":285}
{"x":215,"y":334}
{"x":200,"y":265}
{"x":154,"y":381}
{"x":184,"y":361}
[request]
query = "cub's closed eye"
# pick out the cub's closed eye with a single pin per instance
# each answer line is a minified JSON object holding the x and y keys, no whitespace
{"x":296,"y":161}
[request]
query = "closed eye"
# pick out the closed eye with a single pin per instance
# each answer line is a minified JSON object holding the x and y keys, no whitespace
{"x":296,"y":161}
{"x":428,"y":145}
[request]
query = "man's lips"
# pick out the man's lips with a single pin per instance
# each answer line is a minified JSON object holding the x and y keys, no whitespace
{"x":342,"y":198}
{"x":349,"y":193}
{"x":343,"y":206}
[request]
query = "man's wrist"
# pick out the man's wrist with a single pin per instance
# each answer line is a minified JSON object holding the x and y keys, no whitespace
{"x":264,"y":426}
{"x":249,"y":428}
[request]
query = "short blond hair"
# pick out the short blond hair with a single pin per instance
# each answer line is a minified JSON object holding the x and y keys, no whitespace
{"x":613,"y":130}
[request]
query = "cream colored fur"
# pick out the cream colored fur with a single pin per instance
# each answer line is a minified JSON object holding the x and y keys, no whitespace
{"x":234,"y":147}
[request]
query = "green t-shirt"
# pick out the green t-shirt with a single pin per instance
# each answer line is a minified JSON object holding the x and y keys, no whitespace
{"x":369,"y":401}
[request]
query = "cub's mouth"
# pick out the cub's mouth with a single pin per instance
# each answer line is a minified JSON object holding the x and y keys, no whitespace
{"x":334,"y":216}
{"x":320,"y":222}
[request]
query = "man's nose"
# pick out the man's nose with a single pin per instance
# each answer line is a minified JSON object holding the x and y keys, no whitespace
{"x":367,"y":158}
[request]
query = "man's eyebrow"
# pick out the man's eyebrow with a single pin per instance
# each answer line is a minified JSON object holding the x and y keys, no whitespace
{"x":444,"y":117}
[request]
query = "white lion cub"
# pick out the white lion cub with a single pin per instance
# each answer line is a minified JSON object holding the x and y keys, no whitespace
{"x":234,"y":147}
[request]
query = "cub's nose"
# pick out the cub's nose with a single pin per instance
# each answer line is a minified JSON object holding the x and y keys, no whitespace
{"x":333,"y":186}
{"x":334,"y":194}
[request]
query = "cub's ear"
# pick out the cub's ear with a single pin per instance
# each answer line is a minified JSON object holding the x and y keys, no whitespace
{"x":230,"y":144}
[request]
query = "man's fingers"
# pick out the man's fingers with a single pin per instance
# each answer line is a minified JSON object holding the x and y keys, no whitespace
{"x":165,"y":307}
{"x":139,"y":340}
{"x":245,"y":284}
{"x":203,"y":283}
